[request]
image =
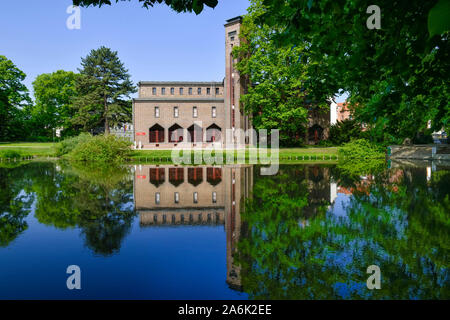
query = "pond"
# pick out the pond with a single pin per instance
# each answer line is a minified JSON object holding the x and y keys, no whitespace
{"x":225,"y":232}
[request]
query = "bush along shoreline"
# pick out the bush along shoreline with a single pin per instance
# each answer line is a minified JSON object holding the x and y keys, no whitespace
{"x":101,"y":148}
{"x":361,"y":157}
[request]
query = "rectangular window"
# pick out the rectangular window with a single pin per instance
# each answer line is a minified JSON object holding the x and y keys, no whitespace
{"x":172,"y":91}
{"x":214,"y":112}
{"x":175,"y":112}
{"x":156,"y":112}
{"x":163,"y":91}
{"x":195,"y":197}
{"x":181,"y":91}
{"x":194,"y":112}
{"x":154,"y":91}
{"x":199,"y":91}
{"x":217,"y":91}
{"x":214,"y":197}
{"x":157,"y":198}
{"x":190,"y":91}
{"x":208,"y":91}
{"x":177,"y":197}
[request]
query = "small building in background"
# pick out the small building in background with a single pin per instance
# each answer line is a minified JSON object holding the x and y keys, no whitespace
{"x":125,"y":131}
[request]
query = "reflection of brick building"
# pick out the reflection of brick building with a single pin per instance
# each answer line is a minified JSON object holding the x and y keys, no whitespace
{"x":171,"y":195}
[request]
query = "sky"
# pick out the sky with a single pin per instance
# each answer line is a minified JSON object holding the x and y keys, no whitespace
{"x":155,"y":45}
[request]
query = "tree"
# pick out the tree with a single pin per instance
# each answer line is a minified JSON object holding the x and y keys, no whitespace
{"x":277,"y":96}
{"x":13,"y":98}
{"x":177,"y":5}
{"x":54,"y":93}
{"x":344,"y":131}
{"x":104,"y":89}
{"x":397,"y":75}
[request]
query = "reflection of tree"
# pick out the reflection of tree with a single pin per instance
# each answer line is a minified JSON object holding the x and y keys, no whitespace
{"x":275,"y":256}
{"x":15,"y":203}
{"x":400,"y":225}
{"x":96,"y":199}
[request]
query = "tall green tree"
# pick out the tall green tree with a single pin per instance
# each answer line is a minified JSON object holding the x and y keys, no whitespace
{"x":277,"y":97}
{"x":397,"y":76}
{"x":54,"y":94}
{"x":13,"y":98}
{"x":177,"y":5}
{"x":104,"y":90}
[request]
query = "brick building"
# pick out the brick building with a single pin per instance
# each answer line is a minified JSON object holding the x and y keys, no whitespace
{"x":168,"y":113}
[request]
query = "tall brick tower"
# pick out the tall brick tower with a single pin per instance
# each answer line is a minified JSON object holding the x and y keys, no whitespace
{"x":234,"y":86}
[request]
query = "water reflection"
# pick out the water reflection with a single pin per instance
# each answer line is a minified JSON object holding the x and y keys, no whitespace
{"x":96,"y":200}
{"x":218,"y":200}
{"x":15,"y":204}
{"x":297,"y":245}
{"x":310,"y":232}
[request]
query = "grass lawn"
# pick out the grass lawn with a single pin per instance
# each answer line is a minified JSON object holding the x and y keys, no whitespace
{"x":285,"y":155}
{"x":39,"y":149}
{"x":27,"y":149}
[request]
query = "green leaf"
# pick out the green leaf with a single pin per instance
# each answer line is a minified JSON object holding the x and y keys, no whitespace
{"x":439,"y":18}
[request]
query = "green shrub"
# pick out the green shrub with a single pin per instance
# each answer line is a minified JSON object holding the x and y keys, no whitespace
{"x":67,"y":145}
{"x":361,"y":149}
{"x":103,"y":148}
{"x":344,"y":131}
{"x":11,"y":154}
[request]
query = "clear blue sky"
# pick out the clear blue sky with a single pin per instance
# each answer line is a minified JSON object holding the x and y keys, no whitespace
{"x":155,"y":44}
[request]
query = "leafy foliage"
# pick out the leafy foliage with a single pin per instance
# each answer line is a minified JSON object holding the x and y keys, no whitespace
{"x":103,"y":148}
{"x":67,"y":145}
{"x":54,"y":93}
{"x":397,"y":76}
{"x":177,"y":5}
{"x":438,"y":21}
{"x":278,"y":96}
{"x":104,"y":89}
{"x":11,"y":154}
{"x":344,"y":131}
{"x":361,"y":149}
{"x":13,"y":98}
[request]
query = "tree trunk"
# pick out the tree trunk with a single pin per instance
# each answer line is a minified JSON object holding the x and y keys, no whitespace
{"x":107,"y":131}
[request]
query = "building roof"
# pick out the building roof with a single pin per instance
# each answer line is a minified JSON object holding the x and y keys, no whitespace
{"x":181,"y":83}
{"x":237,"y":19}
{"x":193,"y":99}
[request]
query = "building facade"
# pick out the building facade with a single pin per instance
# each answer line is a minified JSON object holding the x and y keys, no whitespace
{"x":202,"y":114}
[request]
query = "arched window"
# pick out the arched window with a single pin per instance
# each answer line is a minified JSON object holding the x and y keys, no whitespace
{"x":176,"y":176}
{"x":156,"y":134}
{"x":213,"y":133}
{"x":175,"y":133}
{"x":214,"y":176}
{"x":195,"y":176}
{"x":195,"y":133}
{"x":315,"y":133}
{"x":157,"y":176}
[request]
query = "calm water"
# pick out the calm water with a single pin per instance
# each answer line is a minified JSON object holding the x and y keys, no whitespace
{"x":148,"y":232}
